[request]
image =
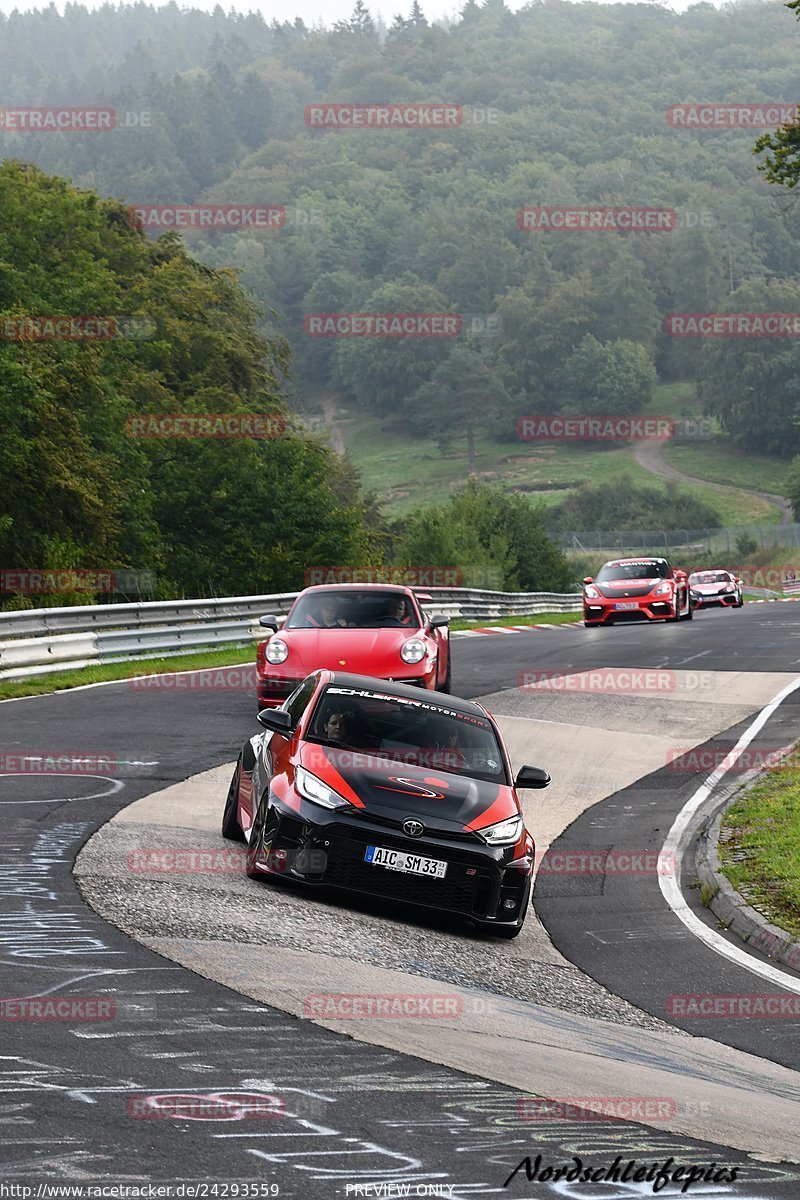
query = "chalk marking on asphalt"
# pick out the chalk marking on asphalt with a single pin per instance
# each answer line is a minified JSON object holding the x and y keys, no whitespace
{"x":670,"y":884}
{"x":692,"y":657}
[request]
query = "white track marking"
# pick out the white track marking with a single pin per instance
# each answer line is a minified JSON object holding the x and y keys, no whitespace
{"x":670,"y":884}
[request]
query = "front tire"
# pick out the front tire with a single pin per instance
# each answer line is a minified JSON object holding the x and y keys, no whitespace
{"x":230,"y":821}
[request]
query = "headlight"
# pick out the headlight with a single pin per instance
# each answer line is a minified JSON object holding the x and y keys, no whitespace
{"x":276,"y":651}
{"x":504,"y":833}
{"x":413,"y":651}
{"x":728,"y":587}
{"x":663,"y":588}
{"x":316,"y":791}
{"x":591,"y":592}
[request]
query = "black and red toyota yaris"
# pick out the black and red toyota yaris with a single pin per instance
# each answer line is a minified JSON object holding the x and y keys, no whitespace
{"x":383,"y":789}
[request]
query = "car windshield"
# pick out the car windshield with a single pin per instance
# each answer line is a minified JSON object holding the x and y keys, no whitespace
{"x":640,"y":569}
{"x":385,"y":730}
{"x":709,"y":577}
{"x":354,"y":610}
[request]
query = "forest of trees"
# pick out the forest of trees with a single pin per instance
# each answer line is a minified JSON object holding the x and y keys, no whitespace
{"x":561,"y":105}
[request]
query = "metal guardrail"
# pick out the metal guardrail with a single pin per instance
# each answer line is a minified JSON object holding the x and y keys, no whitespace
{"x":686,"y":542}
{"x":37,"y":641}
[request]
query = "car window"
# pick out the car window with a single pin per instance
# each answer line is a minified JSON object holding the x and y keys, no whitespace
{"x":393,"y":729}
{"x":296,"y":704}
{"x":643,"y":569}
{"x":710,"y":577}
{"x":354,"y":610}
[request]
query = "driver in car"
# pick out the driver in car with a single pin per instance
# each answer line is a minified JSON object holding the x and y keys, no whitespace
{"x":398,"y":611}
{"x":328,"y":616}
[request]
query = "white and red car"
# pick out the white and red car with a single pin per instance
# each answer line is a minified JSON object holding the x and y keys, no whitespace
{"x":640,"y":589}
{"x":715,"y":586}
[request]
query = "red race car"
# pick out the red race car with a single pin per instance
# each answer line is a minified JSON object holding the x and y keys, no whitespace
{"x":370,"y":629}
{"x":636,"y":589}
{"x":384,"y":789}
{"x":716,"y":586}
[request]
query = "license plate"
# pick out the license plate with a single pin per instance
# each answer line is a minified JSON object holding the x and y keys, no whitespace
{"x":403,"y":860}
{"x":628,"y":604}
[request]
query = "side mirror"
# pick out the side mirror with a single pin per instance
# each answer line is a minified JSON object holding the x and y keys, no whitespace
{"x":269,"y":622}
{"x":275,"y":719}
{"x":439,"y":620}
{"x":532,"y":777}
{"x":588,"y":579}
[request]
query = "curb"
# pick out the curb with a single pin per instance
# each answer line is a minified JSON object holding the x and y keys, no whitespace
{"x":733,"y":911}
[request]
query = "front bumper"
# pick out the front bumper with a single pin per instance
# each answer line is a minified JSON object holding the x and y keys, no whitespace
{"x":274,"y":688}
{"x":647,"y":608}
{"x":724,"y":599}
{"x":480,"y":882}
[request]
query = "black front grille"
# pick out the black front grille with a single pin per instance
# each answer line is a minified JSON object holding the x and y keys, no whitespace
{"x":457,"y":891}
{"x":617,"y":593}
{"x":454,"y":894}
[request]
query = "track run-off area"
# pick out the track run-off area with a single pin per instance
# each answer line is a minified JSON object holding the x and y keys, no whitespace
{"x":201,"y":988}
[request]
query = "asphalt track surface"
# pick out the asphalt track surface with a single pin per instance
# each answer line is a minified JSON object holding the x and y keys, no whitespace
{"x":348,"y":1113}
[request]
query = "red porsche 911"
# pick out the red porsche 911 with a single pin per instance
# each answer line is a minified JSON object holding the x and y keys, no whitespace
{"x":368,"y":629}
{"x":636,"y":589}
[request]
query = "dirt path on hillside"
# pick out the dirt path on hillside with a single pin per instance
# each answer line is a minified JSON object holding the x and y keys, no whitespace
{"x":329,"y":412}
{"x":648,"y":455}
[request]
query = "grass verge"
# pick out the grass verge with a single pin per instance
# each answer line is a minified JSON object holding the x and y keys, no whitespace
{"x":59,"y":681}
{"x":760,"y":853}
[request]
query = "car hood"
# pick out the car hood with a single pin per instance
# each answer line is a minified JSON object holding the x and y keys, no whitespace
{"x":709,"y":589}
{"x":358,"y":651}
{"x":392,"y":791}
{"x":629,"y":587}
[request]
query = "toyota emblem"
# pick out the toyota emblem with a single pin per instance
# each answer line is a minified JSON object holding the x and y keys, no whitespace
{"x":412,"y":827}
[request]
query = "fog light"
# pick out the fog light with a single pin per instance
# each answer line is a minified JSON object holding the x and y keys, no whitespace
{"x":509,"y":904}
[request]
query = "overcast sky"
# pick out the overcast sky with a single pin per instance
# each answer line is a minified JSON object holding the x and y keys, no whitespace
{"x":311,"y":11}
